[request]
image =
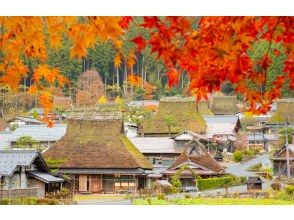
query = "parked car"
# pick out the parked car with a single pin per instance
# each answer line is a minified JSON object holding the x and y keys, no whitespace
{"x":190,"y":189}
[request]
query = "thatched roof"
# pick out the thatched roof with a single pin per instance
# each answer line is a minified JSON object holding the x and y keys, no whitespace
{"x":2,"y":123}
{"x":98,"y":144}
{"x":203,"y":108}
{"x":183,"y":110}
{"x":224,"y":105}
{"x":284,"y":110}
{"x":195,"y":152}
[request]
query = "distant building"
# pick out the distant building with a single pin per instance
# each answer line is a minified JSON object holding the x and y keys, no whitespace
{"x":89,"y":88}
{"x":25,"y":173}
{"x":284,"y":111}
{"x":42,"y":133}
{"x":279,"y":161}
{"x":223,"y":129}
{"x":18,"y":120}
{"x":64,"y":102}
{"x":183,"y":110}
{"x":196,"y":158}
{"x":224,"y":105}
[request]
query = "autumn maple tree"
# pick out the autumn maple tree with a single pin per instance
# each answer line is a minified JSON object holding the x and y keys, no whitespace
{"x":209,"y":50}
{"x":212,"y":50}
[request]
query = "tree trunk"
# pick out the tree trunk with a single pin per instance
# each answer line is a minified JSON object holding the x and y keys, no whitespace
{"x":117,"y":77}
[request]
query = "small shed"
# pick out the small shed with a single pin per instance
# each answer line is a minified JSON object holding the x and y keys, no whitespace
{"x":254,"y":183}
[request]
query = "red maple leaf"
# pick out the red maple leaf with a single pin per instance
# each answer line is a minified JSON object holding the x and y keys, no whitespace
{"x":140,"y":42}
{"x":125,"y":21}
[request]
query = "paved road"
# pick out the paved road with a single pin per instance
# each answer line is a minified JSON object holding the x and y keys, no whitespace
{"x":240,"y":169}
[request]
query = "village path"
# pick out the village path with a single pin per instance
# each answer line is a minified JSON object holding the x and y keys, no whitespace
{"x":240,"y":169}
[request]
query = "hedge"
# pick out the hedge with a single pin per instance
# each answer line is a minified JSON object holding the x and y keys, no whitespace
{"x":218,"y":182}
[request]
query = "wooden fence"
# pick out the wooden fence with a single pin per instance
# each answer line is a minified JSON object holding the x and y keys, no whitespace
{"x":17,"y":193}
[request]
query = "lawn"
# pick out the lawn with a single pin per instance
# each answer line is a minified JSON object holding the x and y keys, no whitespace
{"x":98,"y":197}
{"x":214,"y":201}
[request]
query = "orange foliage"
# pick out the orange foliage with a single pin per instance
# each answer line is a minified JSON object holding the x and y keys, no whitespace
{"x":27,"y":36}
{"x":152,"y":108}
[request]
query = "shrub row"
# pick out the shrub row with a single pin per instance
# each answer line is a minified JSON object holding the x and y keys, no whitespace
{"x":239,"y":155}
{"x":28,"y":201}
{"x":218,"y":182}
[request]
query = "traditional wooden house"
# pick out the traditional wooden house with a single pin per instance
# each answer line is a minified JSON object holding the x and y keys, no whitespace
{"x":98,"y":156}
{"x":89,"y":88}
{"x":163,"y":151}
{"x":196,"y":158}
{"x":279,"y":161}
{"x":223,"y":130}
{"x":60,"y":101}
{"x":44,"y":135}
{"x":283,"y":113}
{"x":224,"y":105}
{"x":254,"y":183}
{"x":182,"y":111}
{"x":25,"y":173}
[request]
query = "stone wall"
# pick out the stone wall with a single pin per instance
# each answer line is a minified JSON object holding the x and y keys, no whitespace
{"x":17,"y":193}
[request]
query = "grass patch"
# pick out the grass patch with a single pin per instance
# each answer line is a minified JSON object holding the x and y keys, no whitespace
{"x":98,"y":197}
{"x":213,"y":201}
{"x":151,"y":201}
{"x":231,"y":201}
{"x":255,"y":167}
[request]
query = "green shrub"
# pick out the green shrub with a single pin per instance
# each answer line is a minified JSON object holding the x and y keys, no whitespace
{"x":187,"y":196}
{"x":218,"y":182}
{"x":4,"y":202}
{"x":238,"y":156}
{"x":276,"y":186}
{"x":47,"y":201}
{"x":289,"y":189}
{"x":160,"y":196}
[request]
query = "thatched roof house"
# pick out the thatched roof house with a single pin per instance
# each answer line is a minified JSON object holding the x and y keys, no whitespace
{"x":94,"y":149}
{"x":96,"y":144}
{"x":224,"y":105}
{"x":284,"y":110}
{"x":183,"y":110}
{"x":89,"y":88}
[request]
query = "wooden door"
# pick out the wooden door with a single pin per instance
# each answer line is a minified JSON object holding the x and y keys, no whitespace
{"x":95,"y":184}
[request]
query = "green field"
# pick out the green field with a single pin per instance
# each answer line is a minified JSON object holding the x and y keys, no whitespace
{"x":214,"y":201}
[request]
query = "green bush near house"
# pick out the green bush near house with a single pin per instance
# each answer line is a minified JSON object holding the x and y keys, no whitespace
{"x":290,"y":189}
{"x":238,"y":156}
{"x":29,"y":201}
{"x":218,"y":182}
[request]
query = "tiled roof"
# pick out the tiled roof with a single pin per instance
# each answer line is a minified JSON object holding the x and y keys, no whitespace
{"x":256,"y":137}
{"x":38,"y":132}
{"x":45,"y":177}
{"x":27,"y":119}
{"x":101,"y":171}
{"x":219,"y":129}
{"x":233,"y":119}
{"x":11,"y":159}
{"x":142,"y":103}
{"x":153,"y":144}
{"x":196,"y":153}
{"x":40,"y":111}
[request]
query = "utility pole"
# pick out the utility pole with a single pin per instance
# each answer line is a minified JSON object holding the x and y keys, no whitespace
{"x":287,"y":152}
